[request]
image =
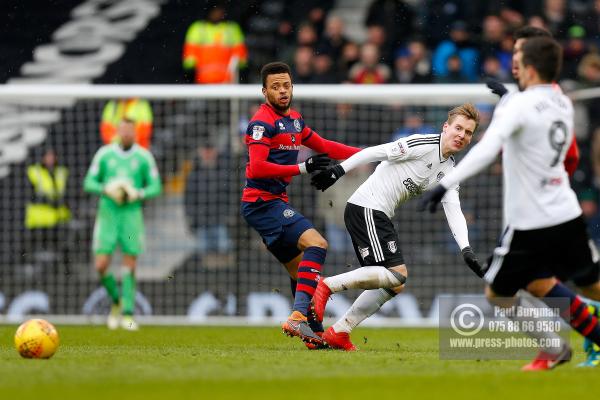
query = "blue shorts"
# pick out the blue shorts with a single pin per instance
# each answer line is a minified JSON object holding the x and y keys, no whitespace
{"x":279,"y":225}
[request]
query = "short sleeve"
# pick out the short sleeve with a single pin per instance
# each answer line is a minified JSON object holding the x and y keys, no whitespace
{"x":259,"y":132}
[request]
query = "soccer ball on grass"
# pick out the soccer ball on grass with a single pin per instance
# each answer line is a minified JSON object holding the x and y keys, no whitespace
{"x":36,"y":338}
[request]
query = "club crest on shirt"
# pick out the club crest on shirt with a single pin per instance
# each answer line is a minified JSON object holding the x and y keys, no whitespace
{"x":288,"y":213}
{"x":297,"y":125}
{"x":392,"y":246}
{"x":364,"y":252}
{"x":440,"y":176}
{"x":257,"y":132}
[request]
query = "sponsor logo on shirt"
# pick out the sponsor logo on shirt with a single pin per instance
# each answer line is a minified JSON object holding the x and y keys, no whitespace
{"x":297,"y":125}
{"x":284,"y":147}
{"x":257,"y":132}
{"x":398,"y":150}
{"x":412,"y":187}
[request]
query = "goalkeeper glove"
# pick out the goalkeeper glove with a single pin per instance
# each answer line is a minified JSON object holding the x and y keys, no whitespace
{"x":318,"y":162}
{"x":132,"y":194}
{"x":324,"y":179}
{"x":114,"y":190}
{"x":431,"y":199}
{"x":472,"y":261}
{"x":496,"y":87}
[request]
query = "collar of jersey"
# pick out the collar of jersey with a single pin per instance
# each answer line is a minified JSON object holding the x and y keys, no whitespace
{"x":541,"y":86}
{"x":440,"y":150}
{"x":125,"y":153}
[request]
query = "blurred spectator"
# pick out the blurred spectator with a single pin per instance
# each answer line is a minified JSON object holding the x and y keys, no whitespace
{"x":413,"y":124}
{"x":458,"y":45}
{"x":206,"y":200}
{"x":454,"y":71}
{"x":350,"y":56}
{"x":313,"y":12}
{"x":573,"y":51}
{"x":323,"y":69}
{"x":369,"y":69}
{"x":421,"y":58}
{"x":302,"y":66}
{"x":589,"y":71}
{"x":493,"y":69}
{"x":333,"y":40}
{"x":46,"y":213}
{"x":306,"y":36}
{"x":441,"y":14}
{"x":557,"y":17}
{"x":538,"y":22}
{"x":494,"y":44}
{"x":376,"y":35}
{"x":137,"y":110}
{"x":214,"y":48}
{"x":591,"y":22}
{"x":405,"y":70}
{"x":397,"y":19}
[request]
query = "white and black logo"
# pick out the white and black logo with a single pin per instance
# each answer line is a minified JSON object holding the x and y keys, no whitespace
{"x":288,"y":213}
{"x":440,"y":176}
{"x":392,"y":246}
{"x":429,"y":165}
{"x":257,"y":132}
{"x":364,"y":252}
{"x":293,"y":139}
{"x":297,"y":125}
{"x":281,"y":126}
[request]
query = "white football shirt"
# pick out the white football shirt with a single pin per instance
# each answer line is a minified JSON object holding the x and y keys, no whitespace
{"x":410,"y":166}
{"x":534,"y":129}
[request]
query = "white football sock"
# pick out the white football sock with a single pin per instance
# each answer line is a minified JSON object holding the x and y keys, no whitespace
{"x":370,"y":277}
{"x":367,"y":304}
{"x":528,"y":301}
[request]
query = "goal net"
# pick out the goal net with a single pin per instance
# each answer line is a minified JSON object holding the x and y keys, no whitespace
{"x":201,"y":258}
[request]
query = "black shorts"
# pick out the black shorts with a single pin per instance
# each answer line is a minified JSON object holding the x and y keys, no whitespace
{"x":373,"y":236}
{"x":563,"y":251}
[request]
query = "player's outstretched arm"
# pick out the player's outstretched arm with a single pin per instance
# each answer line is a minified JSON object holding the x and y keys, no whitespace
{"x":259,"y":167}
{"x":92,"y":182}
{"x":335,"y":150}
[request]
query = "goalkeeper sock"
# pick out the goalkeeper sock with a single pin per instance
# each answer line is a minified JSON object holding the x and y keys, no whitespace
{"x":110,"y":284}
{"x":309,"y":273}
{"x":367,"y":304}
{"x":370,"y":277}
{"x":578,"y":314}
{"x":128,"y":289}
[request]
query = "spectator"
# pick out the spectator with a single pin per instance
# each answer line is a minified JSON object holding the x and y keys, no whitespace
{"x":376,"y":35}
{"x":214,"y":48}
{"x":369,"y":69}
{"x":492,"y":68}
{"x":413,"y":124}
{"x":137,"y":110}
{"x":350,"y":56}
{"x":323,"y":69}
{"x":333,"y":40}
{"x":303,"y":63}
{"x":591,"y":23}
{"x":458,"y":44}
{"x":421,"y":58}
{"x":573,"y":51}
{"x":454,"y":72}
{"x":557,"y":17}
{"x":405,"y":69}
{"x":305,"y":37}
{"x":495,"y":43}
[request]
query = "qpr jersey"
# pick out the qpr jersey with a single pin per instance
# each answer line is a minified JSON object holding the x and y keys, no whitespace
{"x":412,"y":165}
{"x":283,"y":135}
{"x":534,"y":129}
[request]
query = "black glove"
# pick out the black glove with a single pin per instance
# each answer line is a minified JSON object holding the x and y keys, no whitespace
{"x":325,"y":179}
{"x":472,"y":261}
{"x":496,"y":87}
{"x":318,"y":162}
{"x":431,"y":199}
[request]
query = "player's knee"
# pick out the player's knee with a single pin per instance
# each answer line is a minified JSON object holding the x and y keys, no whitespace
{"x":400,"y":273}
{"x":320,"y":242}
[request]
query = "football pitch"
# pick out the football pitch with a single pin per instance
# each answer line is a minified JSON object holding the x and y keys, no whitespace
{"x":261,"y":363}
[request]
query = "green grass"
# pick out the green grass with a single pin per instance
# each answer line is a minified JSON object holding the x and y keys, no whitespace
{"x":226,"y":362}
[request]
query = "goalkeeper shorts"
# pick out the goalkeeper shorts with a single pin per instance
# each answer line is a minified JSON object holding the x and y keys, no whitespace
{"x":124,"y":228}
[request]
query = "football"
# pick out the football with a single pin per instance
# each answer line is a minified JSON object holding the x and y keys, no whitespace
{"x":36,"y":338}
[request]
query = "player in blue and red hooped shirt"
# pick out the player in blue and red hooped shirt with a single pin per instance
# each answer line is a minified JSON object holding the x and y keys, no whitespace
{"x":274,"y":136}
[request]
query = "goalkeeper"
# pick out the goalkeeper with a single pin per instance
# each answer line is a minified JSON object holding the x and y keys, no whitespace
{"x":123,"y":175}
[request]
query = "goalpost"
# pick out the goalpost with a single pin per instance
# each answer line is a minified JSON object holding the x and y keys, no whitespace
{"x":202,"y":263}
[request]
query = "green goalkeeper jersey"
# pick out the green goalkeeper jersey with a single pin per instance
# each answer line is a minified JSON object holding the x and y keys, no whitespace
{"x":136,"y":165}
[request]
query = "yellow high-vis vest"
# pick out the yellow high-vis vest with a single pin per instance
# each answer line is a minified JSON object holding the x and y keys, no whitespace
{"x":40,"y":214}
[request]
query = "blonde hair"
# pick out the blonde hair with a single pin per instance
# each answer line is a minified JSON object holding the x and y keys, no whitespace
{"x":467,"y":110}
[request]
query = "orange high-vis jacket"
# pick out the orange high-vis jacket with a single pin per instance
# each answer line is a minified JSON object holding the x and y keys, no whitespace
{"x":138,"y":110}
{"x":210,"y":49}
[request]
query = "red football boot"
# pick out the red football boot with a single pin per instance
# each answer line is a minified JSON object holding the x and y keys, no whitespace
{"x":320,"y":299}
{"x":339,"y":340}
{"x":546,"y":361}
